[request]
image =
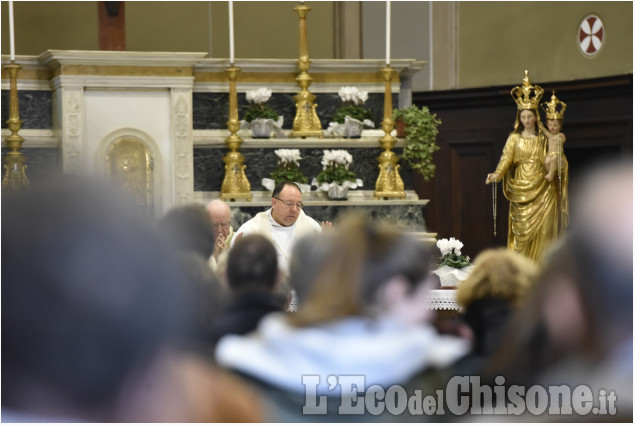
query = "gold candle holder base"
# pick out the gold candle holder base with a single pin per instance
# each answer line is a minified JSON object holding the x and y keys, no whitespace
{"x":306,"y":122}
{"x":14,"y":171}
{"x":14,"y":161}
{"x":235,"y":183}
{"x":389,"y":183}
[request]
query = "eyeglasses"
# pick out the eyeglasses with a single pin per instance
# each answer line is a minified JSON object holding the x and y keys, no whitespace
{"x":221,"y":225}
{"x":290,"y":204}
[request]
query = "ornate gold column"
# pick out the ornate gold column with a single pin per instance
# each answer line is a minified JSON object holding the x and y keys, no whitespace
{"x":235,"y":184}
{"x":306,"y":122}
{"x":389,"y":183}
{"x":14,"y":161}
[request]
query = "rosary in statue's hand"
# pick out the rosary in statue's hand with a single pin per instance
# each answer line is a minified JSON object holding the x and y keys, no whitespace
{"x":491,"y":178}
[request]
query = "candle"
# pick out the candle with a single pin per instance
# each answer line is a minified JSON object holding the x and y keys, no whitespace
{"x":387,"y":32}
{"x":11,"y":34}
{"x":231,"y":32}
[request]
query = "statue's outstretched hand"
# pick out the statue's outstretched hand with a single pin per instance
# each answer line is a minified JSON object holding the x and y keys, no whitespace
{"x":491,"y":178}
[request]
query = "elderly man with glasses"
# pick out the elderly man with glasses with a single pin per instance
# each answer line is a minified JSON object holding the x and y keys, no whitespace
{"x":283,"y":223}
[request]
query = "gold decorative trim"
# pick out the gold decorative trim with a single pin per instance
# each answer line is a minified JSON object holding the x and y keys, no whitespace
{"x":29,"y":74}
{"x":129,"y":71}
{"x":286,"y":77}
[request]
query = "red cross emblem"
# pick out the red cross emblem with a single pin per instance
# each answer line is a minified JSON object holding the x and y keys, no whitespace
{"x":591,"y":35}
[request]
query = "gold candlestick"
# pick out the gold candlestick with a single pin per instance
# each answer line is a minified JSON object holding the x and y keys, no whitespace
{"x":14,"y":161}
{"x":235,"y":184}
{"x":306,"y":122}
{"x":389,"y":183}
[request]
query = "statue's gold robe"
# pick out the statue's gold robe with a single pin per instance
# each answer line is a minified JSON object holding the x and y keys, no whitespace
{"x":538,"y":208}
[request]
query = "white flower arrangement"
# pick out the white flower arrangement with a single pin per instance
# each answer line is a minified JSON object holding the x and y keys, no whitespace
{"x":288,"y":169}
{"x":447,"y":246}
{"x":351,"y":117}
{"x":289,"y":156}
{"x":451,"y":253}
{"x":336,"y":157}
{"x":259,"y":117}
{"x":258,"y":96}
{"x":453,"y":268}
{"x":353,"y":95}
{"x":335,"y":177}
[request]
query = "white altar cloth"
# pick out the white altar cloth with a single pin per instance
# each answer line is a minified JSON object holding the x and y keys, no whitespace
{"x":442,"y":299}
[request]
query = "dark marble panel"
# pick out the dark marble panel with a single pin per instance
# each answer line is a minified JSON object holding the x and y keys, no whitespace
{"x":35,"y":109}
{"x":211,"y":109}
{"x":407,"y":217}
{"x":42,"y":164}
{"x":209,"y":167}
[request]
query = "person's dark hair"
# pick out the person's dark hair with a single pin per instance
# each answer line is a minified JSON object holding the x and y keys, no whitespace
{"x":280,"y":186}
{"x":189,"y":228}
{"x":206,"y":299}
{"x":306,"y":261}
{"x":90,"y":296}
{"x":252,"y":263}
{"x":365,"y":255}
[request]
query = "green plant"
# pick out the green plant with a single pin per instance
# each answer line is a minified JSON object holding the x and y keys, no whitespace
{"x":258,"y":107}
{"x":288,"y":166}
{"x":288,"y":172}
{"x":354,"y":111}
{"x":336,"y":173}
{"x":335,"y":165}
{"x":421,"y":127}
{"x":259,"y":110}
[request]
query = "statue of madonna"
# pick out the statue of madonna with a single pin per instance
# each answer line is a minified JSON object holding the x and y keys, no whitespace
{"x":538,"y":208}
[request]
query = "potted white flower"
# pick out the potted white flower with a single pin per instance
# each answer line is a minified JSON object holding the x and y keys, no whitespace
{"x":288,"y":169}
{"x":336,"y":178}
{"x":453,"y":267}
{"x":352,"y":116}
{"x":259,"y":116}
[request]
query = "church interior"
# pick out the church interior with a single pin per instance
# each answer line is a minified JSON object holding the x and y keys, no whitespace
{"x":153,"y":97}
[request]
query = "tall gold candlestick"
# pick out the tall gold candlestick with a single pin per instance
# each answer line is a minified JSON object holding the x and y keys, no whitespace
{"x":14,"y":161}
{"x":389,"y":183}
{"x":306,"y":122}
{"x":235,"y":184}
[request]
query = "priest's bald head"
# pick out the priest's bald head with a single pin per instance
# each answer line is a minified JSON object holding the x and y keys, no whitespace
{"x":220,"y":215}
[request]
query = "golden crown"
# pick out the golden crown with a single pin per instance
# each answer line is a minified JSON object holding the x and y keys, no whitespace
{"x":554,"y":109}
{"x":527,"y":96}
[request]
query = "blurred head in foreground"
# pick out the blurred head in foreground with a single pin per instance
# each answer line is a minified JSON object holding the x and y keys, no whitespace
{"x":495,"y":288}
{"x":307,"y":259}
{"x":372,"y":269}
{"x":252,"y":264}
{"x":90,"y":298}
{"x":577,"y":323}
{"x":188,"y":228}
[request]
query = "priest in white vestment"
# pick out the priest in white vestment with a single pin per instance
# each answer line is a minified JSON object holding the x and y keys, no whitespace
{"x":283,"y":223}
